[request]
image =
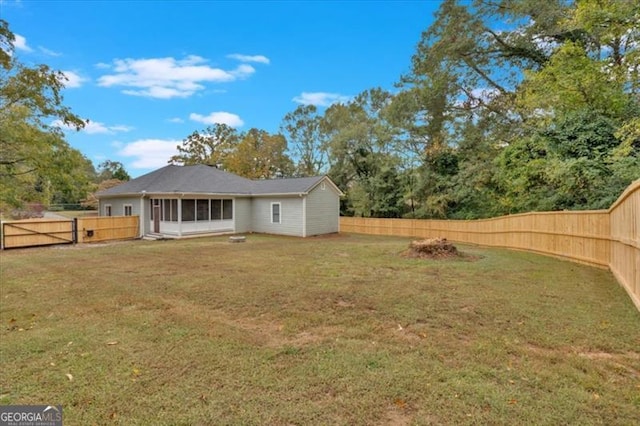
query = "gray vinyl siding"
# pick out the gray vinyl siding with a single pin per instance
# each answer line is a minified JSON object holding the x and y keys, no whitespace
{"x":242,"y":212}
{"x":323,"y":211}
{"x":290,"y":216}
{"x":117,"y":206}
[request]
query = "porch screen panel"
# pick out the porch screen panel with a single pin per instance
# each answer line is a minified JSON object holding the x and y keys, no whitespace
{"x":166,"y":208}
{"x":216,"y":209}
{"x":202,"y":208}
{"x":188,"y":210}
{"x":174,"y":210}
{"x":227,"y":209}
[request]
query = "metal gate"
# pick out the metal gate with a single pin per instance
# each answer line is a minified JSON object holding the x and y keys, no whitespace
{"x":38,"y":232}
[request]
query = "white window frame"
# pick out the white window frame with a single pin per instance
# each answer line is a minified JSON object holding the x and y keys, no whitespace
{"x":108,"y":210}
{"x":279,"y":212}
{"x":124,"y":210}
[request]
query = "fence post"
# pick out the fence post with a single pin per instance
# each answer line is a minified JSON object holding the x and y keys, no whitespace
{"x":74,"y":230}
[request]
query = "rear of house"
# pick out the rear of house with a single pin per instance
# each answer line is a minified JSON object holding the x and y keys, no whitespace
{"x":178,"y":201}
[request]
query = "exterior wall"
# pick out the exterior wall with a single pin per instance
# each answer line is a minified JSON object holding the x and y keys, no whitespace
{"x":290,"y":216}
{"x":242,"y":214}
{"x":315,"y":214}
{"x":117,"y":206}
{"x":322,"y":211}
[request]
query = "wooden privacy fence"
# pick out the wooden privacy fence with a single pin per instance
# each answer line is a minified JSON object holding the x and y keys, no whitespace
{"x":37,"y":232}
{"x":605,"y":238}
{"x":108,"y":228}
{"x":40,"y":232}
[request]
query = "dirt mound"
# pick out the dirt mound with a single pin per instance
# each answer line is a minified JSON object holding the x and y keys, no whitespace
{"x":432,"y":248}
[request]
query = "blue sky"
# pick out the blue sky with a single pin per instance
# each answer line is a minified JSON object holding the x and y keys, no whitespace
{"x":149,"y":73}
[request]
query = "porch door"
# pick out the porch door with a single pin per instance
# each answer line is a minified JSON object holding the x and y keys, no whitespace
{"x":156,"y":219}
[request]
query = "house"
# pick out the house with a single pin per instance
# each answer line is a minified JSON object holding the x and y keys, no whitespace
{"x":177,"y":201}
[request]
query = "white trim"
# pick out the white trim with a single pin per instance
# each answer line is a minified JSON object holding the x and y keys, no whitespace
{"x":108,"y":207}
{"x":142,"y":220}
{"x":124,"y":209}
{"x":279,"y":204}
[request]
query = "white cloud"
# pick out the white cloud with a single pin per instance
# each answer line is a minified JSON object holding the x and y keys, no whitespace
{"x":102,"y":65}
{"x":120,"y":128}
{"x":220,"y":117}
{"x":49,"y":52}
{"x":150,"y":153}
{"x":175,"y":120}
{"x":20,"y":43}
{"x":167,"y":78}
{"x":73,"y":81}
{"x":94,"y":127}
{"x":320,"y":98}
{"x":249,"y":58}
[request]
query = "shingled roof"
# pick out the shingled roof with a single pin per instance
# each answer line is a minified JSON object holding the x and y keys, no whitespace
{"x":203,"y":179}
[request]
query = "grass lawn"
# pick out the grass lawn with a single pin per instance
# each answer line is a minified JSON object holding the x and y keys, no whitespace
{"x":332,"y":330}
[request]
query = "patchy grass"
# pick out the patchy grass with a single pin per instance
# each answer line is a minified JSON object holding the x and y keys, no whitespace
{"x":335,"y":330}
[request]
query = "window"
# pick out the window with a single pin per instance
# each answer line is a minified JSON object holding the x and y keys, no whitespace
{"x":107,"y":209}
{"x":227,"y":209}
{"x":188,"y":210}
{"x":127,"y":209}
{"x":202,"y":207}
{"x":323,"y":186}
{"x":275,"y":212}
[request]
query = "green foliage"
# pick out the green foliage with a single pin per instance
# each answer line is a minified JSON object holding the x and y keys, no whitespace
{"x":301,"y":127}
{"x":577,"y":162}
{"x":572,"y":81}
{"x":513,"y":106}
{"x":211,"y":146}
{"x":36,"y":163}
{"x":255,"y":154}
{"x":109,"y":169}
{"x":260,"y":155}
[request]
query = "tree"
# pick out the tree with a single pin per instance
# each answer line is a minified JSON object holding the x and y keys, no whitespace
{"x":572,"y":81}
{"x":35,"y":160}
{"x":361,"y":145}
{"x":302,"y":129}
{"x":211,"y":146}
{"x":109,"y":169}
{"x":91,"y":202}
{"x":260,"y":155}
{"x":493,"y":108}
